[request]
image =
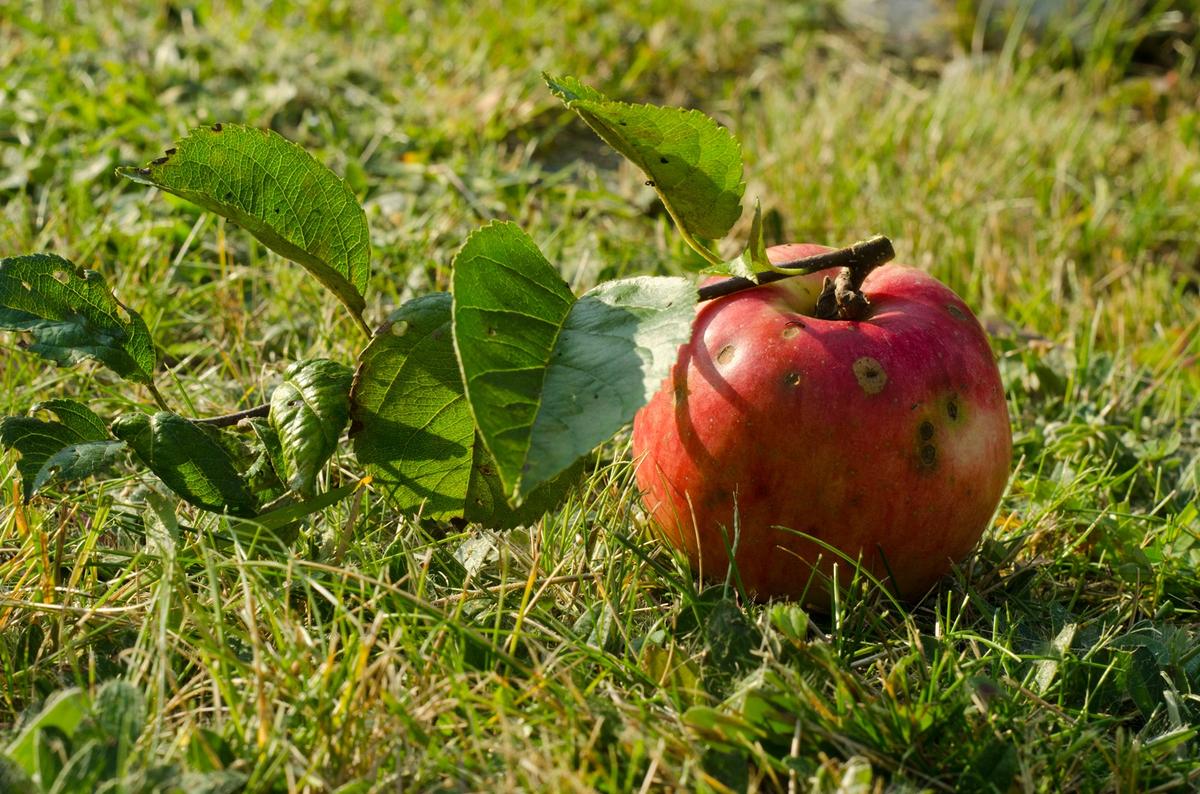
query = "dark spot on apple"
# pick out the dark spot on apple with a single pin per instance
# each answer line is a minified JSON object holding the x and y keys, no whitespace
{"x":726,"y":355}
{"x":792,"y":329}
{"x":928,"y":455}
{"x":926,"y":430}
{"x":870,"y":374}
{"x":956,"y":312}
{"x":792,"y":379}
{"x":952,"y":409}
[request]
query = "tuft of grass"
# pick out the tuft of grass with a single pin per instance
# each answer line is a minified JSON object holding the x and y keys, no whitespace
{"x":1050,"y":178}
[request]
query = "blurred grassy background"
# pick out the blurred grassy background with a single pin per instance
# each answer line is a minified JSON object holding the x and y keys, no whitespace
{"x":1043,"y":159}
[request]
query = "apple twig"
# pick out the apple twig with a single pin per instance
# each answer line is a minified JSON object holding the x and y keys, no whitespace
{"x":855,"y":260}
{"x":229,"y":420}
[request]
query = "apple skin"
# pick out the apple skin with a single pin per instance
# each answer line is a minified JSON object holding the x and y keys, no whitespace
{"x":887,"y":438}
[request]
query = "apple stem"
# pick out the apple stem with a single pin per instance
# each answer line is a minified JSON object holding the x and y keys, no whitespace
{"x":844,"y":300}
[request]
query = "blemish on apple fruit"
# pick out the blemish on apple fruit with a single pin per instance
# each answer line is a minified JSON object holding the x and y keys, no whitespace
{"x":926,"y":430}
{"x":726,"y":355}
{"x":792,"y":329}
{"x":870,"y":374}
{"x":928,"y":455}
{"x":956,"y":312}
{"x":792,"y":379}
{"x":952,"y":409}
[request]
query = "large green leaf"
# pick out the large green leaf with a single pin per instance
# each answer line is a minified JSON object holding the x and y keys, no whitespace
{"x":276,"y":191}
{"x":309,"y":410}
{"x":548,"y":378}
{"x":75,"y":446}
{"x":412,"y":427}
{"x":189,"y":459}
{"x":694,"y":164}
{"x":72,"y":315}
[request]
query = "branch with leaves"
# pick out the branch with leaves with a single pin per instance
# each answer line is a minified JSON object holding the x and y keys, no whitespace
{"x":477,"y":404}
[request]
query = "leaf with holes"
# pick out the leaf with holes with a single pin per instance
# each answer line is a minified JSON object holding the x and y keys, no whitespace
{"x":190,"y":460}
{"x":549,"y":377}
{"x":71,"y":315}
{"x":693,"y":163}
{"x":74,"y":447}
{"x":412,"y":427}
{"x":309,"y":410}
{"x":279,"y":193}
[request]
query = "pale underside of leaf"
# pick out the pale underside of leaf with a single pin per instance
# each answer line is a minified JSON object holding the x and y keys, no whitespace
{"x":548,"y":377}
{"x":617,"y":345}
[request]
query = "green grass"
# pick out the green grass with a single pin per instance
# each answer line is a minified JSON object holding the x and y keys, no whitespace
{"x":1053,"y":181}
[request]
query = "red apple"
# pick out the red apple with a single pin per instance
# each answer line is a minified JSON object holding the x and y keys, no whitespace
{"x":887,"y":438}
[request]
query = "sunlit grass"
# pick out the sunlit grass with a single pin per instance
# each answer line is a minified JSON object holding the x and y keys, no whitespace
{"x":382,"y":652}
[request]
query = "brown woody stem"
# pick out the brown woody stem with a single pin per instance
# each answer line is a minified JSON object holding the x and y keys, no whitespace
{"x":229,"y":420}
{"x":856,"y":262}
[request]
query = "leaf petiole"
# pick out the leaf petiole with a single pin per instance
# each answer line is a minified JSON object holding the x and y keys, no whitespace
{"x":861,"y":258}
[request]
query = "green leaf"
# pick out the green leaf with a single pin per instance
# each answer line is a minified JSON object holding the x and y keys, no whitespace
{"x":72,"y":448}
{"x":279,"y":193}
{"x":694,"y":164}
{"x":189,"y":460}
{"x":309,"y":410}
{"x":72,"y":315}
{"x":266,"y":474}
{"x":120,"y":714}
{"x":548,"y":377}
{"x":64,"y":710}
{"x":754,"y":259}
{"x":412,"y":428}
